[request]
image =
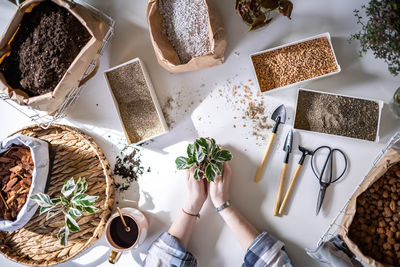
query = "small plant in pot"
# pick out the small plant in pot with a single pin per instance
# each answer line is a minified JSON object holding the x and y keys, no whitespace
{"x":72,"y":203}
{"x":206,"y":157}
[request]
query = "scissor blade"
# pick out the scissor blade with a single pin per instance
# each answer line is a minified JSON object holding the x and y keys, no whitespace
{"x":321,"y":196}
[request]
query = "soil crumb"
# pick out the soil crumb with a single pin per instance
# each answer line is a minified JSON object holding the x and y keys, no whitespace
{"x":128,"y":168}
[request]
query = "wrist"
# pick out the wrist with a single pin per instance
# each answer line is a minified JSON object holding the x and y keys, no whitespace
{"x":192,"y":207}
{"x":220,"y":201}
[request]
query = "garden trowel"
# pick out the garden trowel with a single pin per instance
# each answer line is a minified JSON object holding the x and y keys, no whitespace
{"x":279,"y":116}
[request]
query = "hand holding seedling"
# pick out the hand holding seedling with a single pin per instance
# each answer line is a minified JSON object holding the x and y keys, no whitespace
{"x":219,"y":189}
{"x":197,"y":193}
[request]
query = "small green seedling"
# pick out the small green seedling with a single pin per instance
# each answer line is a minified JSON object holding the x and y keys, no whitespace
{"x":206,"y":157}
{"x":72,"y":203}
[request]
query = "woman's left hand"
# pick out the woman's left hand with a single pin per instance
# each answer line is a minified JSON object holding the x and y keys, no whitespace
{"x":197,"y":193}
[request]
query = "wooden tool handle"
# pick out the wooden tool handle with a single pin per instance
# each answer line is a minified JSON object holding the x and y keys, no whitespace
{"x":280,"y":189}
{"x":289,"y":191}
{"x":261,"y":167}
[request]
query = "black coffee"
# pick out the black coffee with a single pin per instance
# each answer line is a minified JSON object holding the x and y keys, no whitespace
{"x":120,"y":236}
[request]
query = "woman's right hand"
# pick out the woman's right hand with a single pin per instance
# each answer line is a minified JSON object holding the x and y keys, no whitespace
{"x":219,"y":189}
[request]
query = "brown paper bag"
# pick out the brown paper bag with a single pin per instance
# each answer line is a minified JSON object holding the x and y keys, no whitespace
{"x":73,"y":77}
{"x":391,"y":157}
{"x":165,"y":53}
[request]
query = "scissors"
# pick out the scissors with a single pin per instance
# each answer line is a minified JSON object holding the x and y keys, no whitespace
{"x":325,"y":179}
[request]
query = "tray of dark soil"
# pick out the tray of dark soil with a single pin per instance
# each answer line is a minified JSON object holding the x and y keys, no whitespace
{"x":47,"y":49}
{"x":338,"y":115}
{"x":76,"y":155}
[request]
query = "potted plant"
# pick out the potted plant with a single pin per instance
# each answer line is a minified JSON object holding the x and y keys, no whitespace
{"x":72,"y":203}
{"x":207,"y":158}
{"x":258,"y":13}
{"x":379,"y":32}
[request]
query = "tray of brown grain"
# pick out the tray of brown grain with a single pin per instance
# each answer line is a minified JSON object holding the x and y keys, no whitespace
{"x":76,"y":155}
{"x":290,"y":64}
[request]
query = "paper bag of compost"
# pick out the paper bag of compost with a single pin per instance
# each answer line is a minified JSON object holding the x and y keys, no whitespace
{"x":167,"y":56}
{"x":39,"y":151}
{"x":390,"y":157}
{"x":74,"y":75}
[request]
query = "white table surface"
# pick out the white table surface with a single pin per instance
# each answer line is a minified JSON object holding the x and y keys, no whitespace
{"x":162,"y":191}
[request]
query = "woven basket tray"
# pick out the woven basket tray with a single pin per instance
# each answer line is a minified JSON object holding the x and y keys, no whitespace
{"x":77,"y":155}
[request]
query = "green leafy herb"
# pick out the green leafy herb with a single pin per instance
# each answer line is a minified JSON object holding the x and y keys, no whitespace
{"x":380,"y":31}
{"x":206,"y":156}
{"x":72,"y":203}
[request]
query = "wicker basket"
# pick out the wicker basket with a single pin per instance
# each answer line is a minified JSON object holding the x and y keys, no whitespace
{"x":77,"y":155}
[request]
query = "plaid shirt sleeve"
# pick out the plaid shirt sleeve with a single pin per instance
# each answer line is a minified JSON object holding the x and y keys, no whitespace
{"x":266,"y":250}
{"x":166,"y":251}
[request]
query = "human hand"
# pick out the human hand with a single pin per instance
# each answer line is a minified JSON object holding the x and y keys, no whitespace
{"x":197,"y":193}
{"x":219,"y":189}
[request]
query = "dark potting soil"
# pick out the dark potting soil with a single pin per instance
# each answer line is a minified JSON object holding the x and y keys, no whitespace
{"x":339,"y":115}
{"x":48,"y":40}
{"x":128,"y":167}
{"x":119,"y":234}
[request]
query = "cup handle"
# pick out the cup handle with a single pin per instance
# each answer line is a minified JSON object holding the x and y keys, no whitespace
{"x":114,"y":256}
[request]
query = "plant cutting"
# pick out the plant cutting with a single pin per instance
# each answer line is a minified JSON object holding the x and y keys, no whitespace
{"x":380,"y":30}
{"x":72,"y":203}
{"x":207,"y":158}
{"x":258,"y":13}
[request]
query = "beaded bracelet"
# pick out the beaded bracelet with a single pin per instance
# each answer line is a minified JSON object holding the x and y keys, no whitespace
{"x":190,"y":214}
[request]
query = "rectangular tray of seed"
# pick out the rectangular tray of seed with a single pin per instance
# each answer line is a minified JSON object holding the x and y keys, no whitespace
{"x":136,"y":101}
{"x":334,"y":114}
{"x":296,"y":62}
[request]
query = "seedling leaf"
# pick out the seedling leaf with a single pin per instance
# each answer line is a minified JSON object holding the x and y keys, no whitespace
{"x":196,"y":173}
{"x":181,"y":163}
{"x":68,"y":188}
{"x":84,"y":200}
{"x":74,"y":212}
{"x":81,"y":186}
{"x":42,"y":200}
{"x":62,"y":235}
{"x":72,"y":225}
{"x":210,"y":172}
{"x":223,"y":155}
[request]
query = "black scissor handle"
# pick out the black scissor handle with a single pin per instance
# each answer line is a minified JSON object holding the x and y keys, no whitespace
{"x":329,"y":159}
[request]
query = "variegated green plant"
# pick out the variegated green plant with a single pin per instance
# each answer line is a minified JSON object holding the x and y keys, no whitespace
{"x":72,"y":203}
{"x":207,"y":158}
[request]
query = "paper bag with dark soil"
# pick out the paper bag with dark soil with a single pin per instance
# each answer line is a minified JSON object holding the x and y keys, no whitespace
{"x":369,"y":226}
{"x":25,"y":164}
{"x":46,"y":50}
{"x":186,"y":35}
